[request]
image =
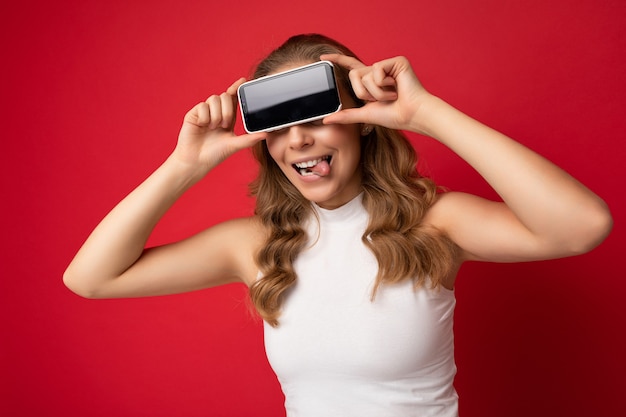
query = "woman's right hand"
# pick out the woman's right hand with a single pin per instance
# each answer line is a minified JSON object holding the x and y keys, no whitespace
{"x":113,"y":261}
{"x":207,"y":136}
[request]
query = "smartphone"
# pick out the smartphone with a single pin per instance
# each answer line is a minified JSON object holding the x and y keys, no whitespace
{"x":299,"y":95}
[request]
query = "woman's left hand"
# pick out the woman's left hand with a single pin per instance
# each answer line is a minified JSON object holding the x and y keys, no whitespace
{"x":391,"y":90}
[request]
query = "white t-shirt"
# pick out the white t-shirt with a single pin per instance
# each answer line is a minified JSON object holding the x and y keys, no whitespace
{"x":338,"y":353}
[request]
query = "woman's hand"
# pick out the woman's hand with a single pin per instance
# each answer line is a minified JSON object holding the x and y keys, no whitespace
{"x":113,"y":261}
{"x":392,"y":92}
{"x":207,"y":137}
{"x":545,"y":212}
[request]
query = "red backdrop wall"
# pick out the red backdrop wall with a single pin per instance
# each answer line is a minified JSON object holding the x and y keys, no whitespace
{"x":93,"y":94}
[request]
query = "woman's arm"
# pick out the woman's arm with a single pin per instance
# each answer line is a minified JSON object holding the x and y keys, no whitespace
{"x":545,"y":213}
{"x":113,"y":261}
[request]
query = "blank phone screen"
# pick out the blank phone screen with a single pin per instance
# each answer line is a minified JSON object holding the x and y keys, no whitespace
{"x":299,"y":95}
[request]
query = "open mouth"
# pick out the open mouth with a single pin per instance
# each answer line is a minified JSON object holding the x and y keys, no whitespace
{"x":319,"y":166}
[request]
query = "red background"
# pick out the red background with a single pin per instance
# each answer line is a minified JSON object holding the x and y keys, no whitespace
{"x":93,"y":94}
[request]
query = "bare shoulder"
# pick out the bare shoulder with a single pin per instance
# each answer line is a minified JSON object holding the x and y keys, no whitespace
{"x":243,"y":226}
{"x":452,"y":206}
{"x":485,"y":230}
{"x":239,"y":239}
{"x":474,"y":223}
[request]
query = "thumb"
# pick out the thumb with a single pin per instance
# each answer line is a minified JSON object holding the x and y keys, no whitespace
{"x":248,"y":140}
{"x":347,"y":116}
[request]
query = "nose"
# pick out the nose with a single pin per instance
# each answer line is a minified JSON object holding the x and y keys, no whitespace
{"x":299,"y":137}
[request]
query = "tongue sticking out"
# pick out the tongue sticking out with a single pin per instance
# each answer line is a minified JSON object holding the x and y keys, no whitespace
{"x":321,"y":170}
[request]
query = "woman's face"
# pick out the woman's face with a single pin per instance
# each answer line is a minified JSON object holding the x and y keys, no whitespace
{"x":321,"y":161}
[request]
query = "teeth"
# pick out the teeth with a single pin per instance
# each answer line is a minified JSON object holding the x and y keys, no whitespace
{"x":311,"y":163}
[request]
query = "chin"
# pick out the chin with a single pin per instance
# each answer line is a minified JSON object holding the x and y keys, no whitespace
{"x":329,"y":200}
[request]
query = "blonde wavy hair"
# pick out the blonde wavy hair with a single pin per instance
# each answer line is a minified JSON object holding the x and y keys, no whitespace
{"x":395,"y":195}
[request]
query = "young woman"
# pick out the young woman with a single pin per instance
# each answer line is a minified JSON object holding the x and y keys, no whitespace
{"x":351,"y":255}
